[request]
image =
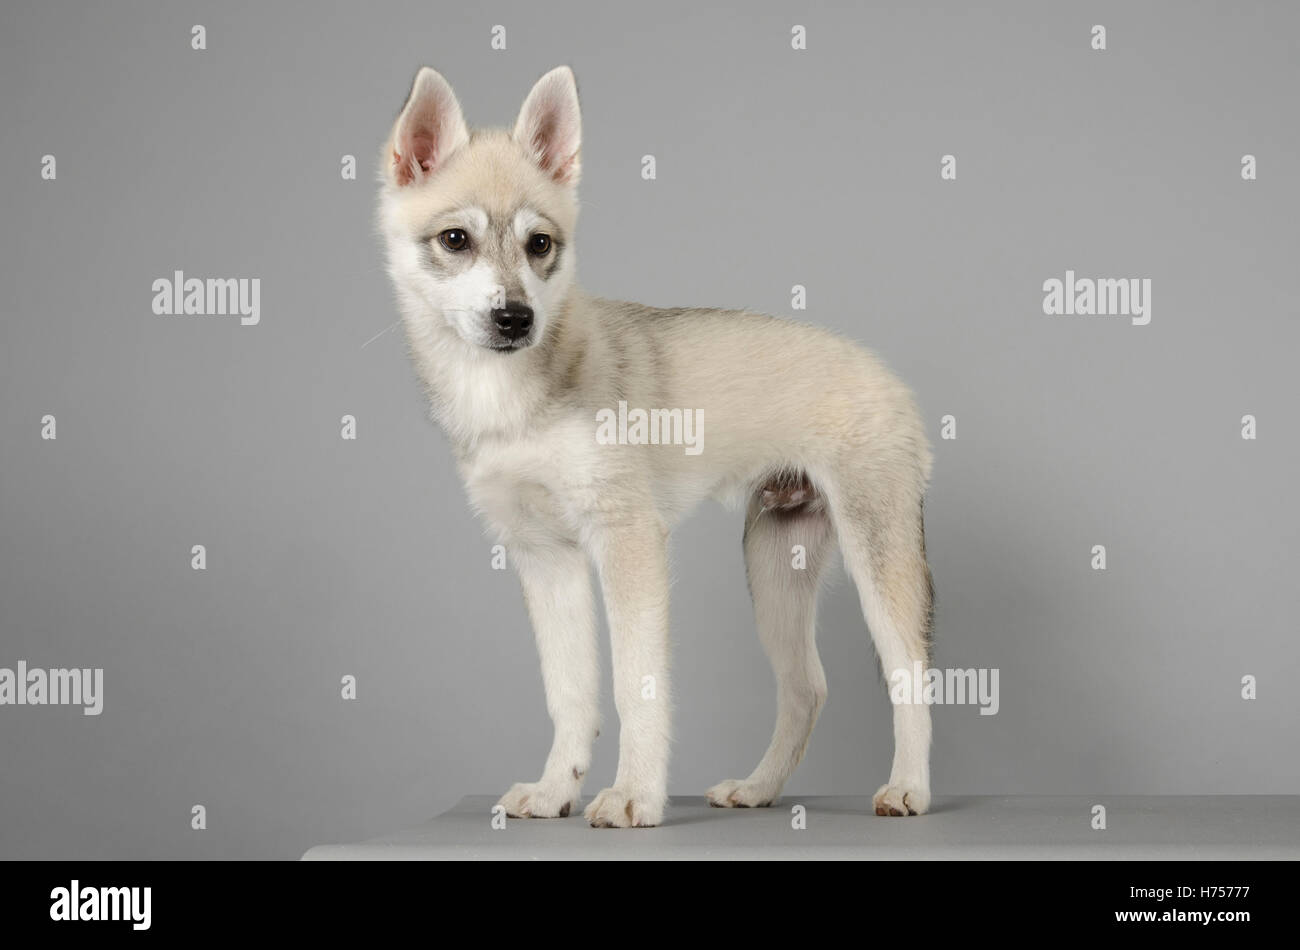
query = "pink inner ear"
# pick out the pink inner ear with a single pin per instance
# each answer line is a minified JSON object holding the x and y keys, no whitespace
{"x":547,"y":140}
{"x":544,"y":143}
{"x":422,"y":148}
{"x":401,"y":170}
{"x":418,"y":147}
{"x":563,"y":170}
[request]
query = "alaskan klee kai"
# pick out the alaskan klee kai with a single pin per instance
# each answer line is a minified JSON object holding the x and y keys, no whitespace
{"x":810,"y":433}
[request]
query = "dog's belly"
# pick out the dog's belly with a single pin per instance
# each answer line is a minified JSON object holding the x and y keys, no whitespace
{"x":561,"y":481}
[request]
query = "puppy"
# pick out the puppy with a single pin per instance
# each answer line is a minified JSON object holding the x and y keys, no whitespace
{"x":585,"y":428}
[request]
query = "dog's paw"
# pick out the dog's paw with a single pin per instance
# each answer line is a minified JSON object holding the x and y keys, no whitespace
{"x":901,"y":800}
{"x":538,"y":800}
{"x":737,"y":793}
{"x":615,"y":808}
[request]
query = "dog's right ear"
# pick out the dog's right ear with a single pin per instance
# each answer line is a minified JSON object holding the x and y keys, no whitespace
{"x":549,"y":126}
{"x":429,"y":129}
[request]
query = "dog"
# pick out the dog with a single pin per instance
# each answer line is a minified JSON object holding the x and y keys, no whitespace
{"x":811,"y":434}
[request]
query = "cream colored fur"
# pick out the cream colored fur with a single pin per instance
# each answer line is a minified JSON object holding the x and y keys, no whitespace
{"x":777,"y":400}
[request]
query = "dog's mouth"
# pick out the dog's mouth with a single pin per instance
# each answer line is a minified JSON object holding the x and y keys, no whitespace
{"x":509,"y":346}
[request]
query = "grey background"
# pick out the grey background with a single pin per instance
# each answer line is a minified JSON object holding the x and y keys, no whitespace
{"x":775,"y":167}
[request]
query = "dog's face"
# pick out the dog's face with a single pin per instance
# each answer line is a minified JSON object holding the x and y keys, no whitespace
{"x":479,"y":226}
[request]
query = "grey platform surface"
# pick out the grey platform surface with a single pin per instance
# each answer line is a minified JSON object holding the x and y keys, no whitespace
{"x":1014,"y":827}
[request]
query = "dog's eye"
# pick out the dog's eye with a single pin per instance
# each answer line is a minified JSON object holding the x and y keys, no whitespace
{"x":539,"y":245}
{"x":454,"y":239}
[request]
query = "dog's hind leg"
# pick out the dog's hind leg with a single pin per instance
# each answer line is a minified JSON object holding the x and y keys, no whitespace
{"x":788,"y":539}
{"x":882,"y":536}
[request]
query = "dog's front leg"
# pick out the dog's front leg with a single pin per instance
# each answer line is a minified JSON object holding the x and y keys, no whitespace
{"x":557,"y":590}
{"x":632,"y":559}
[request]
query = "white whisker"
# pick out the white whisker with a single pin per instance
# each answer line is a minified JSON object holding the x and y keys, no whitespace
{"x":380,"y":333}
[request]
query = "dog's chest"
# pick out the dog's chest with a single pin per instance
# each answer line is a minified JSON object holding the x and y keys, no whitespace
{"x":547,"y":482}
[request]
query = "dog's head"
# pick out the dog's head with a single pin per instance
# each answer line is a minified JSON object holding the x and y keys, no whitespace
{"x":479,"y":225}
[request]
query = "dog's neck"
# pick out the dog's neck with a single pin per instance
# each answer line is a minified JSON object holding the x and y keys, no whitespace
{"x":479,"y":396}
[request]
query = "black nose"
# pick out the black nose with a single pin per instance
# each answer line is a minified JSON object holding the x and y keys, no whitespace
{"x":514,"y":320}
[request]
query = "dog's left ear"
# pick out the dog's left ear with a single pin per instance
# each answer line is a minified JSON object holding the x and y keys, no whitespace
{"x":550,"y":125}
